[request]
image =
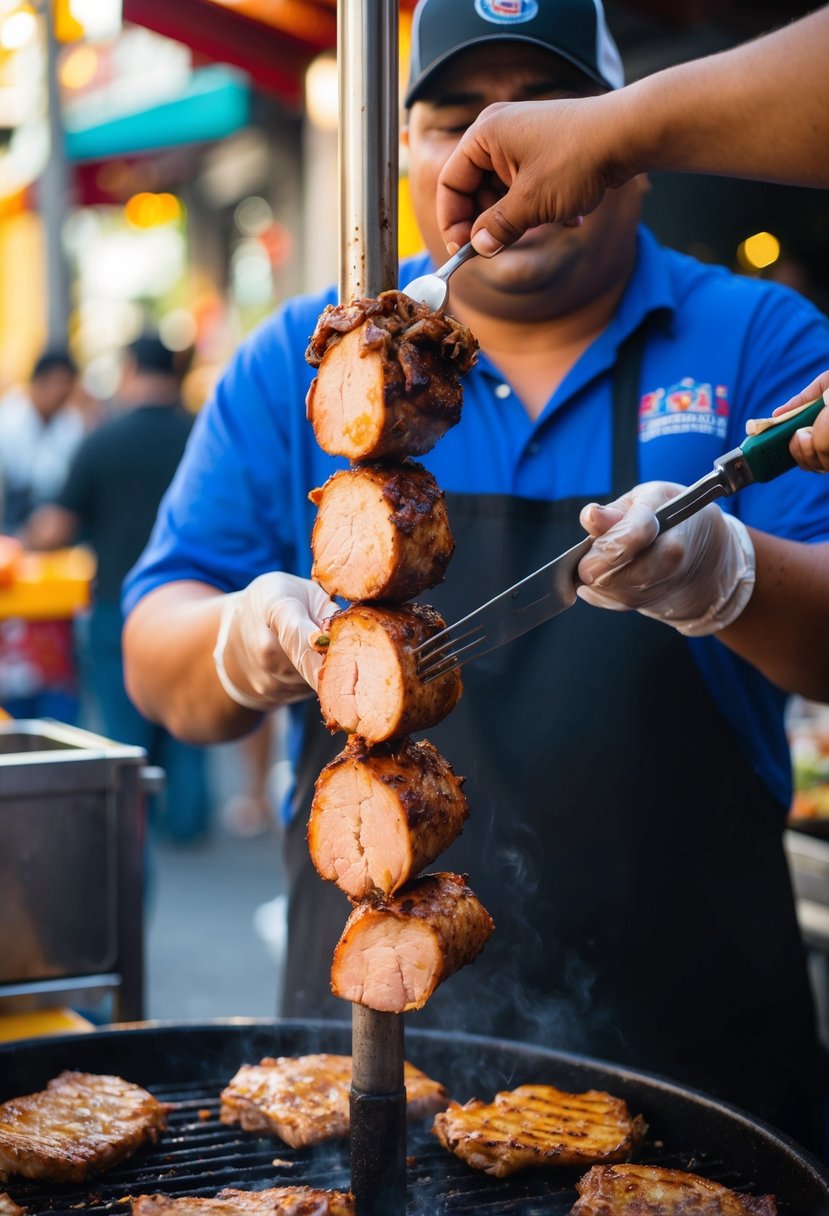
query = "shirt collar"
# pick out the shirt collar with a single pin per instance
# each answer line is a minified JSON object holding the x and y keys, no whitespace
{"x":649,"y":292}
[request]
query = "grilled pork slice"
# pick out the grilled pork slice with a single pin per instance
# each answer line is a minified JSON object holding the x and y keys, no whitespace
{"x":368,"y":682}
{"x":79,"y":1125}
{"x":380,"y":814}
{"x":649,"y":1190}
{"x":393,"y":955}
{"x":278,"y":1201}
{"x":539,"y":1125}
{"x":381,"y":532}
{"x":305,"y":1099}
{"x":388,"y":379}
{"x":8,"y":1207}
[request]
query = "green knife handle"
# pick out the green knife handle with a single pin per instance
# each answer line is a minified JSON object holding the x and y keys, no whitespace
{"x":767,"y":454}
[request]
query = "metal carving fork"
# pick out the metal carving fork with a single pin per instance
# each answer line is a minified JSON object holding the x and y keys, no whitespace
{"x":552,"y":589}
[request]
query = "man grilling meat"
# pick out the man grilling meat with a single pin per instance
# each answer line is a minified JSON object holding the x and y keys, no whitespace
{"x":627,"y":772}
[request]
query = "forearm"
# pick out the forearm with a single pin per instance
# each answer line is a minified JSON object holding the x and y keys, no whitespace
{"x":168,"y":664}
{"x":760,"y":110}
{"x":782,"y":628}
{"x":50,"y":527}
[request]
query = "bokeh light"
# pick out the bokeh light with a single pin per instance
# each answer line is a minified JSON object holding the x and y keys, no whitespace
{"x":17,"y":29}
{"x":758,"y":251}
{"x":322,"y":100}
{"x":146,"y":210}
{"x":253,"y":215}
{"x":177,"y":329}
{"x":79,"y":67}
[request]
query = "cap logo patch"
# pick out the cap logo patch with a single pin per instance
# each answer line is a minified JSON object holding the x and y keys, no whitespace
{"x":506,"y":12}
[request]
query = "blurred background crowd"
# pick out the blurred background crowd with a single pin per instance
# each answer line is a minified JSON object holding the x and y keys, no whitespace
{"x":167,"y":177}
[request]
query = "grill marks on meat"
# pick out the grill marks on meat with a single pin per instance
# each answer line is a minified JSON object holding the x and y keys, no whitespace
{"x":277,"y":1201}
{"x":649,"y":1190}
{"x":387,"y":384}
{"x":368,"y":683}
{"x":306,"y":1099}
{"x":380,"y":814}
{"x":392,"y":955}
{"x":79,"y":1125}
{"x":381,"y":532}
{"x":538,"y":1125}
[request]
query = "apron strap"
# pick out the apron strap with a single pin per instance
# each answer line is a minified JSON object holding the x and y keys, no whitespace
{"x":626,"y":383}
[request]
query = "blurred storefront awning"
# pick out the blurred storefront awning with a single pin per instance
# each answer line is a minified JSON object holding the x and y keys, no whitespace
{"x":273,"y":40}
{"x":215,"y":103}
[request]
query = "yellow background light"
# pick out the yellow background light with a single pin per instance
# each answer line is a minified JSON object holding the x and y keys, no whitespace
{"x":759,"y":251}
{"x":79,"y":67}
{"x":67,"y":26}
{"x":147,"y":210}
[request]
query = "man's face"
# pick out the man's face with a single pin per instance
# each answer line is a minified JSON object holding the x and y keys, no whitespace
{"x":51,"y":390}
{"x":550,"y":267}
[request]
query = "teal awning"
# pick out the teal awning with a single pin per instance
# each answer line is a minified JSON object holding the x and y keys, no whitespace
{"x":215,"y":103}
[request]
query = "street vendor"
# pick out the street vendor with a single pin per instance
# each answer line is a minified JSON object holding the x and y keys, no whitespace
{"x":754,"y":111}
{"x":627,"y":771}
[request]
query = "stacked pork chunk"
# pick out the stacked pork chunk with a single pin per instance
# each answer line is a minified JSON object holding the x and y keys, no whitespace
{"x":387,"y":388}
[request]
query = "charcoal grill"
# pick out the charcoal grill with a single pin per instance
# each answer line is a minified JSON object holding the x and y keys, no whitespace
{"x":187,"y":1065}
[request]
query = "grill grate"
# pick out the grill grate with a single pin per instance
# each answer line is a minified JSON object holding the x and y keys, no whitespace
{"x":187,"y":1066}
{"x":200,"y":1156}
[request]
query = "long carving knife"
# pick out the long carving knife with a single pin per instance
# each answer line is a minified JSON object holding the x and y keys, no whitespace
{"x":763,"y":456}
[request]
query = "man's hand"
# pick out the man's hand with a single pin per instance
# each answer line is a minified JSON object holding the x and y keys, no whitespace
{"x":555,"y":159}
{"x":698,"y":577}
{"x":810,"y":445}
{"x":265,"y":641}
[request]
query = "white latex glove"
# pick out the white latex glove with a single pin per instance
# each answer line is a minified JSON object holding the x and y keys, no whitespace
{"x":263,"y":656}
{"x":698,"y":577}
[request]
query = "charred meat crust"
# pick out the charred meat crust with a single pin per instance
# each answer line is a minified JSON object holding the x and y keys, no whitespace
{"x":410,"y":489}
{"x":423,"y":763}
{"x":406,"y":627}
{"x":276,"y":1201}
{"x":649,"y":1190}
{"x":364,"y":406}
{"x":453,"y":910}
{"x":444,"y":902}
{"x":81,"y":1124}
{"x":397,"y":326}
{"x":421,"y":543}
{"x":388,"y":379}
{"x":423,"y":811}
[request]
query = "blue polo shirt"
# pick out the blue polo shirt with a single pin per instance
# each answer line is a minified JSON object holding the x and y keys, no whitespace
{"x":721,"y":349}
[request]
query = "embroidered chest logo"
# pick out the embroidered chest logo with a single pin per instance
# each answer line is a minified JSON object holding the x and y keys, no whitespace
{"x":506,"y":12}
{"x":685,"y":407}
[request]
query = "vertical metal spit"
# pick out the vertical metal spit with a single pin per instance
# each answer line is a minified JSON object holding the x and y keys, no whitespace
{"x":367,"y":55}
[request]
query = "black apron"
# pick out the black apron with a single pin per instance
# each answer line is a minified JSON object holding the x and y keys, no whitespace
{"x":630,"y":857}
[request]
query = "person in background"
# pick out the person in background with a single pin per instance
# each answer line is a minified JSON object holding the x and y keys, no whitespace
{"x":627,"y":771}
{"x":109,"y":499}
{"x":759,"y":111}
{"x":39,"y":432}
{"x":248,"y":812}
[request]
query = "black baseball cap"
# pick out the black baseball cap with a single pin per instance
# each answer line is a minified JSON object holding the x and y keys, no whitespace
{"x":574,"y":29}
